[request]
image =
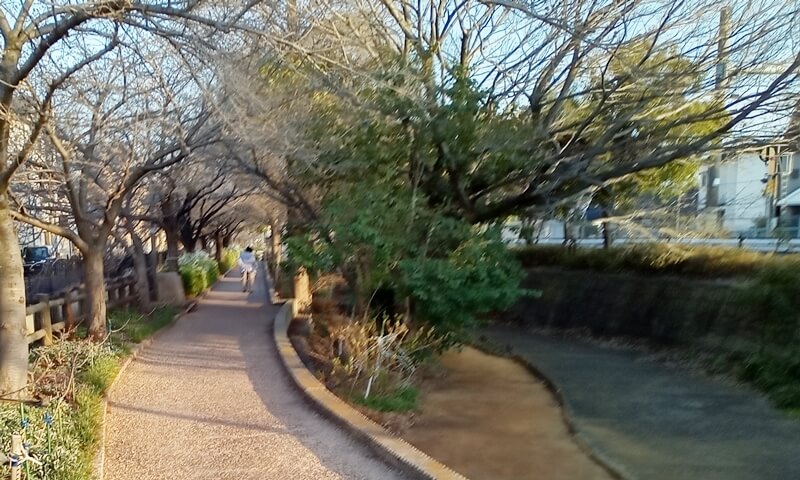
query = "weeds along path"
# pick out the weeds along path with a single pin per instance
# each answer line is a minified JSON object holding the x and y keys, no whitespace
{"x":209,"y":400}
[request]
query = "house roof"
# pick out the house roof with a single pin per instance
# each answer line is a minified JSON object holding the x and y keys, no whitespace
{"x":791,"y":200}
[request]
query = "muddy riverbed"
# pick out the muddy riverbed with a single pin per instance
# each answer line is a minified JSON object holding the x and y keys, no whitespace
{"x":489,"y":418}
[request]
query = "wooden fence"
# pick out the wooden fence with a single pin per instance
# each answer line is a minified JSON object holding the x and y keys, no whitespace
{"x":64,"y":312}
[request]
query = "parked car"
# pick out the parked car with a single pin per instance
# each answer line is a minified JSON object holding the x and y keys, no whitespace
{"x":34,"y":259}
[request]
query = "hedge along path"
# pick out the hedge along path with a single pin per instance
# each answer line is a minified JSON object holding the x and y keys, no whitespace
{"x":209,"y":400}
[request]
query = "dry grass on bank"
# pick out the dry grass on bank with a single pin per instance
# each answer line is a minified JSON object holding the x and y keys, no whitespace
{"x":656,"y":259}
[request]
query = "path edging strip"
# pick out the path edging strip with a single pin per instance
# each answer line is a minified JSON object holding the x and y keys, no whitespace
{"x":98,"y":463}
{"x":394,"y":450}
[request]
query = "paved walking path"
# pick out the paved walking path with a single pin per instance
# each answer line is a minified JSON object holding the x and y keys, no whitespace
{"x":210,"y":400}
{"x":660,"y":422}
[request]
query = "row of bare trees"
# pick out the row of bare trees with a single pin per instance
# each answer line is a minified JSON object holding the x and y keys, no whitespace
{"x":576,"y":101}
{"x":106,"y":129}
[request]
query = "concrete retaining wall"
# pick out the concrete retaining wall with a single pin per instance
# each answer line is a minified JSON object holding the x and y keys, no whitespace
{"x":666,"y":310}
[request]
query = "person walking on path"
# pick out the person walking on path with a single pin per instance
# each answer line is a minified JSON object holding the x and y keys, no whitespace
{"x":247,"y":264}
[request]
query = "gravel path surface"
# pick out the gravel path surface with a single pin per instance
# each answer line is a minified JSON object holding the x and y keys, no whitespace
{"x":210,"y":400}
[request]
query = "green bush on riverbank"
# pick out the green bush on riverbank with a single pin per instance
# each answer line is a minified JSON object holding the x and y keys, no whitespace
{"x":773,"y":297}
{"x":400,"y":400}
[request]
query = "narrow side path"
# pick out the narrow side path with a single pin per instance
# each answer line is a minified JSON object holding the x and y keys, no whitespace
{"x":660,"y":422}
{"x":210,"y":400}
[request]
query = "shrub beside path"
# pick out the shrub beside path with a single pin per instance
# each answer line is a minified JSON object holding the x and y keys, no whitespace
{"x":209,"y":400}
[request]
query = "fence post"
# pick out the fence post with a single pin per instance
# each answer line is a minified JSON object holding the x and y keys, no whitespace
{"x":302,"y":292}
{"x":69,"y":314}
{"x":47,"y":320}
{"x":122,"y":297}
{"x":113,"y":294}
{"x":57,"y":315}
{"x":131,"y":291}
{"x":18,"y":453}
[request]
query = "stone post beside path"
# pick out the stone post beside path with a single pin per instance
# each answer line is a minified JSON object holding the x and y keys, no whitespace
{"x":302,"y":292}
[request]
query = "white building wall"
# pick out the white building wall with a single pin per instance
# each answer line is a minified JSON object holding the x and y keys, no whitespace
{"x":703,"y":177}
{"x":741,"y":191}
{"x":547,"y":230}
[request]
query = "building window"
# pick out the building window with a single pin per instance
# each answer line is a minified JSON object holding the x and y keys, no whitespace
{"x":785,"y":163}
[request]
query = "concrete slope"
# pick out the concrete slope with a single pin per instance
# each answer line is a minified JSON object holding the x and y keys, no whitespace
{"x":659,"y":422}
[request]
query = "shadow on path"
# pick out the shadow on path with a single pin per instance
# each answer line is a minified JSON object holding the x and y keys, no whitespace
{"x":209,"y":400}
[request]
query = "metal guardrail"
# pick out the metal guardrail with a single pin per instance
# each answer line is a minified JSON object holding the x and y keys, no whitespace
{"x":754,"y":244}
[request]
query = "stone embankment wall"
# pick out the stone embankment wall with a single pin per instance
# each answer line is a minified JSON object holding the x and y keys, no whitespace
{"x":666,"y":310}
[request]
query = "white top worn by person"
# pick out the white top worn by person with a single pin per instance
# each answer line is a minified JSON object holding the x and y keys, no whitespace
{"x":247,"y":261}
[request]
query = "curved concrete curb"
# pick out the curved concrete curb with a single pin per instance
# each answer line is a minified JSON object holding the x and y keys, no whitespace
{"x":273,"y":294}
{"x":98,"y":463}
{"x":613,"y":468}
{"x":395,"y":451}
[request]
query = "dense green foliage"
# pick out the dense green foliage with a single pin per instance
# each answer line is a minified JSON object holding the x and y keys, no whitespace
{"x":230,"y":257}
{"x":657,"y":258}
{"x":773,"y":296}
{"x":199,"y":271}
{"x":655,"y":101}
{"x":382,"y":232}
{"x":477,"y":277}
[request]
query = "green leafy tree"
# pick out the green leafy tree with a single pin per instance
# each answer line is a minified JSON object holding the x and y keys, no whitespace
{"x":382,"y":231}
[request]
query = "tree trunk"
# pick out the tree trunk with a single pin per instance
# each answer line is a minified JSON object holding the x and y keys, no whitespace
{"x":95,"y":283}
{"x":13,"y":331}
{"x":140,"y":267}
{"x":189,"y":243}
{"x":172,"y":248}
{"x":152,"y":268}
{"x":218,"y":246}
{"x":275,"y":251}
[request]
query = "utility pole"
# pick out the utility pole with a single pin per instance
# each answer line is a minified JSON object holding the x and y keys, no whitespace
{"x":770,"y":154}
{"x":721,"y":82}
{"x":721,"y":79}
